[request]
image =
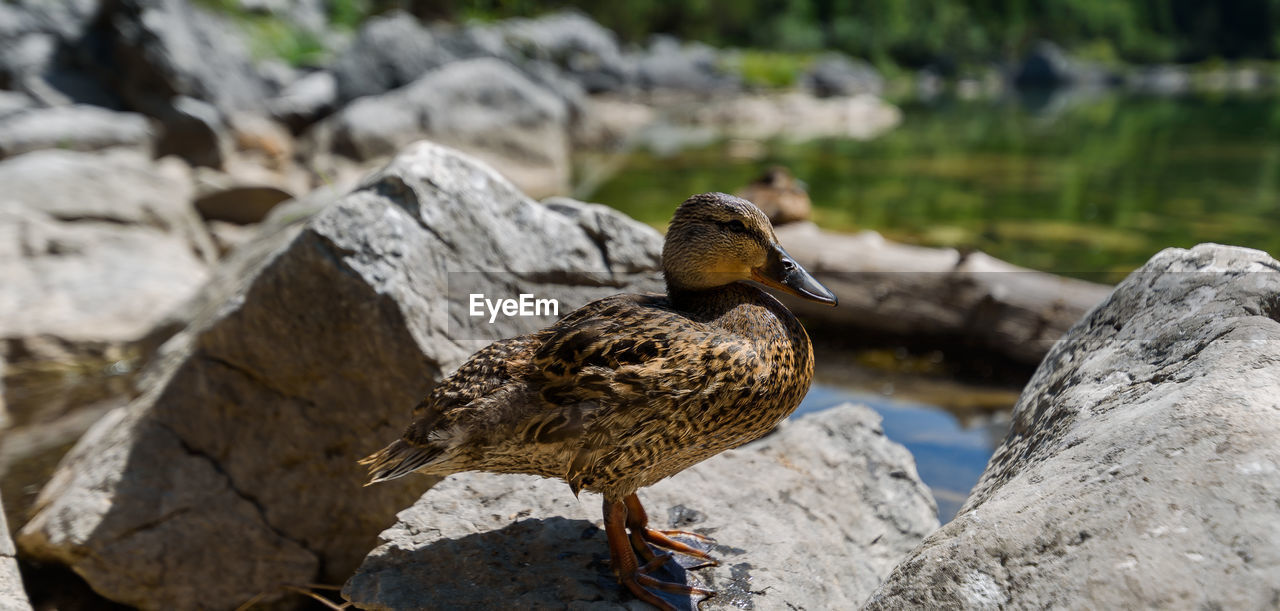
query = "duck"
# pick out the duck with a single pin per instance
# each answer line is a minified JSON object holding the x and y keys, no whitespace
{"x":633,"y":388}
{"x":780,"y":195}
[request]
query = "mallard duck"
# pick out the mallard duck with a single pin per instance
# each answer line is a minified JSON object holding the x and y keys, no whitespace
{"x":780,"y":195}
{"x":631,"y":389}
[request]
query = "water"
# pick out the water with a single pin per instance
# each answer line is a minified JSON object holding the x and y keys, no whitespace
{"x":1084,"y":187}
{"x":949,"y":454}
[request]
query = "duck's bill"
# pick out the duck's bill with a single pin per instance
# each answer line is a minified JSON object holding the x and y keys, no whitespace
{"x":783,"y":273}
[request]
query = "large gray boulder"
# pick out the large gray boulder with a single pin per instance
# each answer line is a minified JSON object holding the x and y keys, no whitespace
{"x":482,"y":106}
{"x":583,"y":50}
{"x":389,"y":51}
{"x":78,"y":127}
{"x":1142,"y":469}
{"x":159,"y":49}
{"x":96,"y":248}
{"x":306,"y":100}
{"x":234,"y":473}
{"x":13,"y":597}
{"x":671,"y":66}
{"x":836,"y":74}
{"x":38,"y":54}
{"x":811,"y":517}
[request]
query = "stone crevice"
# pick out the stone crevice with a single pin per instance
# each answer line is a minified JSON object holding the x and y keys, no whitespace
{"x":231,"y":485}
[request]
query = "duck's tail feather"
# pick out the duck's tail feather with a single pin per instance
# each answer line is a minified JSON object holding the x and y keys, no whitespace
{"x":399,"y":459}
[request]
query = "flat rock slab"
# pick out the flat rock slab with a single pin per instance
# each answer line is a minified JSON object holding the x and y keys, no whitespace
{"x":78,"y":127}
{"x":812,"y":516}
{"x":1142,"y":469}
{"x":95,"y":247}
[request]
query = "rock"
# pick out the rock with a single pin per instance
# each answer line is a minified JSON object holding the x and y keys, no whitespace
{"x":160,"y":49}
{"x":836,"y":74}
{"x":79,"y":128}
{"x":482,"y":106}
{"x":668,"y":65}
{"x":389,"y":51}
{"x":12,"y":102}
{"x":305,"y":100}
{"x":193,"y":130}
{"x":262,"y":154}
{"x":310,"y":15}
{"x":13,"y":597}
{"x":555,"y":81}
{"x":609,"y":124}
{"x":38,"y":41}
{"x":269,"y":144}
{"x":1161,"y":79}
{"x":812,"y":516}
{"x":795,"y":116}
{"x":4,"y":406}
{"x":67,"y":19}
{"x":119,"y":187}
{"x":585,"y":51}
{"x":222,"y":198}
{"x":306,"y":351}
{"x":1047,"y":66}
{"x":1141,"y":468}
{"x":230,"y":236}
{"x":953,"y":298}
{"x":96,"y":248}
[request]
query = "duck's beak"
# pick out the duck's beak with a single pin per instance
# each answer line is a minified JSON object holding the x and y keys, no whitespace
{"x":782,"y":272}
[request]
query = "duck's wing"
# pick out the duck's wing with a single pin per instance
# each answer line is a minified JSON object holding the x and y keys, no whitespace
{"x":620,"y":367}
{"x":429,"y":436}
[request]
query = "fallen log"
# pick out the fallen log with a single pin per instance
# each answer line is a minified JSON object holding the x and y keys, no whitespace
{"x":936,"y":294}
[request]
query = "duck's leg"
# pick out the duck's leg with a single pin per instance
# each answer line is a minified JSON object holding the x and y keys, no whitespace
{"x":638,"y":524}
{"x":627,"y":567}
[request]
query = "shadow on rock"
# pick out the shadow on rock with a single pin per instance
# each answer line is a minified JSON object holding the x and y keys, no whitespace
{"x":527,"y":564}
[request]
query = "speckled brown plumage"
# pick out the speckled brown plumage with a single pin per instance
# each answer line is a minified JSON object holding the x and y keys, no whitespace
{"x":631,"y":389}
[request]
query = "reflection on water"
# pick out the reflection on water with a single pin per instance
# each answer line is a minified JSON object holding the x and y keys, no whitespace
{"x":950,"y":419}
{"x":949,"y":455}
{"x":1092,"y":188}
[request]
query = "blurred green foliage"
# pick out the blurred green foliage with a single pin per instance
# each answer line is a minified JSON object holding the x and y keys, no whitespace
{"x":277,"y":38}
{"x":1092,"y":190}
{"x":945,"y":34}
{"x":274,"y":37}
{"x":948,"y":35}
{"x":760,"y":68}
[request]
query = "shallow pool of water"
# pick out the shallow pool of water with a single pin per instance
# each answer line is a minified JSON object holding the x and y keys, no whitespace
{"x":950,"y":454}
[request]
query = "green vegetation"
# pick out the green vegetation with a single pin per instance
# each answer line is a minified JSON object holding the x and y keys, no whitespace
{"x":947,"y":34}
{"x":1092,"y":191}
{"x":274,"y":37}
{"x":271,"y":37}
{"x":776,"y":69}
{"x":953,"y":36}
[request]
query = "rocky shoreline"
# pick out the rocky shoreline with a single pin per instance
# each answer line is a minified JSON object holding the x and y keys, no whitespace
{"x":242,"y":433}
{"x":264,"y":265}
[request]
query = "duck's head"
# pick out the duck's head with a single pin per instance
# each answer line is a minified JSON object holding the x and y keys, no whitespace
{"x":715,"y":239}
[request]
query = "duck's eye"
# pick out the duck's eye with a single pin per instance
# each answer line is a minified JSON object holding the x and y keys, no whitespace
{"x":738,"y":226}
